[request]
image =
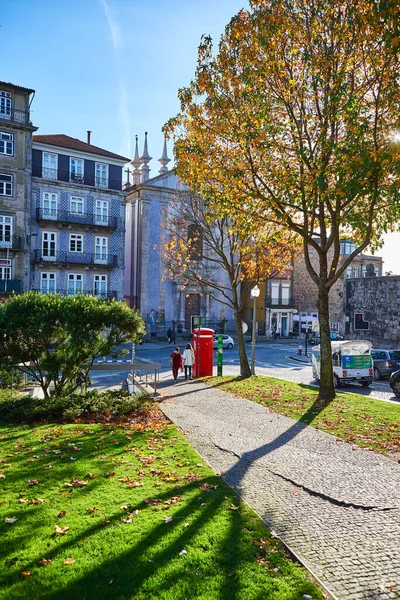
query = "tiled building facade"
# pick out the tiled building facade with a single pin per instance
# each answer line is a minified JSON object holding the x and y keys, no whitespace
{"x":78,"y":218}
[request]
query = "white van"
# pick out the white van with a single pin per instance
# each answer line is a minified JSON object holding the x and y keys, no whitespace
{"x":352,"y":362}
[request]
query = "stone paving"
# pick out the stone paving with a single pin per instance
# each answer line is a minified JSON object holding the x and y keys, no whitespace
{"x":335,"y":505}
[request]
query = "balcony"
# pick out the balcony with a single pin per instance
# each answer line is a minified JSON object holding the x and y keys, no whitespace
{"x":103,"y":183}
{"x":74,"y":292}
{"x":7,"y":286}
{"x":76,"y":258}
{"x":64,"y":216}
{"x":14,"y":115}
{"x":11,"y":242}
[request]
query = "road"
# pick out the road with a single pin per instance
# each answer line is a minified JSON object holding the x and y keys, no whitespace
{"x":272,"y":359}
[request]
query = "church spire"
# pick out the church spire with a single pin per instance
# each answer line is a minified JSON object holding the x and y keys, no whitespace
{"x":145,"y":159}
{"x":136,"y":162}
{"x":164,"y":160}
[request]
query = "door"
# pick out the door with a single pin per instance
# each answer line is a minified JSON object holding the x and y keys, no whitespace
{"x":284,"y":325}
{"x":76,"y":170}
{"x":47,"y":283}
{"x":101,"y":175}
{"x":100,"y":285}
{"x":49,"y":245}
{"x":100,"y":250}
{"x":49,"y":166}
{"x":5,"y":231}
{"x":101,"y":214}
{"x":75,"y":284}
{"x":50,"y":206}
{"x":192,"y":308}
{"x":5,"y":105}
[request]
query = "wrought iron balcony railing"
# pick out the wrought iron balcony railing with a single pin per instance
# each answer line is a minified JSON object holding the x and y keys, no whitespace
{"x":7,"y":286}
{"x":76,"y":258}
{"x":77,"y":178}
{"x":75,"y":292}
{"x":14,"y":115}
{"x":65,"y":216}
{"x":11,"y":242}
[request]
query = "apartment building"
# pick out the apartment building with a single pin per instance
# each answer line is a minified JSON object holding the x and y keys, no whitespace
{"x":78,"y":217}
{"x":16,"y":131}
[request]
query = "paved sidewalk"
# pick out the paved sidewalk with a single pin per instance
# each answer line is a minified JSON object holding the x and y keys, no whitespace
{"x":335,"y":505}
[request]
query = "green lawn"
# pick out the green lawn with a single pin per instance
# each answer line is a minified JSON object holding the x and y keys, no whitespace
{"x":357,"y":419}
{"x":120,"y":511}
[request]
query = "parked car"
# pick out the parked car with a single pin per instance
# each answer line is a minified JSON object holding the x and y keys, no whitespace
{"x":227,"y":342}
{"x":386,"y":362}
{"x":395,"y":383}
{"x":315,"y":339}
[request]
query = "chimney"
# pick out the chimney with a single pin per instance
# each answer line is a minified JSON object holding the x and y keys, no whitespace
{"x":88,"y":136}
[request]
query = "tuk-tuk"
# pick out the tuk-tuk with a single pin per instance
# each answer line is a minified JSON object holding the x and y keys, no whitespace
{"x":352,"y":362}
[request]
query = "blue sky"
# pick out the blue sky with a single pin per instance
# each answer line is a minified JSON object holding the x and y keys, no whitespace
{"x":112,"y":66}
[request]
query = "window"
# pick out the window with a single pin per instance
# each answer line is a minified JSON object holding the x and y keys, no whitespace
{"x":195,"y":241}
{"x":75,"y":242}
{"x":100,"y":285}
{"x":347,"y":247}
{"x":364,"y":270}
{"x":349,"y":272}
{"x":5,"y":105}
{"x":355,"y":271}
{"x":5,"y":231}
{"x":377,"y":272}
{"x":49,"y":245}
{"x":49,"y":165}
{"x":48,"y":283}
{"x":76,"y":205}
{"x":50,"y":206}
{"x":274,"y":292}
{"x":101,"y":214}
{"x":6,"y":184}
{"x":75,"y":284}
{"x":101,"y":175}
{"x":100,"y":249}
{"x":76,"y":170}
{"x":285,"y":293}
{"x":5,"y":272}
{"x":6,"y":143}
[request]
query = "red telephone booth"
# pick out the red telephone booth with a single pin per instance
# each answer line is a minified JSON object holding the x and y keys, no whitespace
{"x":203,"y":346}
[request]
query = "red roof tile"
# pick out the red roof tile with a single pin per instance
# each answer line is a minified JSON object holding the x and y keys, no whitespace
{"x":65,"y":141}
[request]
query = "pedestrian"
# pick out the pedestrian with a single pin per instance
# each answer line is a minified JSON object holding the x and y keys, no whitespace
{"x":173,"y":335}
{"x":188,"y":361}
{"x":176,"y":362}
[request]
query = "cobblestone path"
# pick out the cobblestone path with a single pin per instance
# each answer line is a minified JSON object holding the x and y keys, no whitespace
{"x":335,"y":505}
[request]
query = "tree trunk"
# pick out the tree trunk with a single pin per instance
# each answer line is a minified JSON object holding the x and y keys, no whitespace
{"x":244,"y":361}
{"x":326,"y":389}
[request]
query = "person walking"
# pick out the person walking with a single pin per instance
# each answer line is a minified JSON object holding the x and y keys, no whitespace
{"x":176,"y":362}
{"x":188,"y":360}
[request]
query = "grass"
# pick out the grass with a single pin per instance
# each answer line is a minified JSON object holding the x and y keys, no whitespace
{"x":150,"y":520}
{"x":354,"y":418}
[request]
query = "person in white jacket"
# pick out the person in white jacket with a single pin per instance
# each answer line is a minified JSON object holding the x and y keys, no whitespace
{"x":188,"y":360}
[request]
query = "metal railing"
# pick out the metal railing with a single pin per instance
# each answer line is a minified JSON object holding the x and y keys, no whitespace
{"x":76,"y":258}
{"x":65,"y":216}
{"x":10,"y":285}
{"x":11,"y":242}
{"x":74,"y":292}
{"x":15,"y":115}
{"x":77,"y":178}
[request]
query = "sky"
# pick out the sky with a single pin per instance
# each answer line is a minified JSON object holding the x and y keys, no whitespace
{"x":113,"y":67}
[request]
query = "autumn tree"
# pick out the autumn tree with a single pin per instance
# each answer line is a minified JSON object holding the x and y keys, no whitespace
{"x":297,"y":113}
{"x":221,"y":258}
{"x":56,"y":339}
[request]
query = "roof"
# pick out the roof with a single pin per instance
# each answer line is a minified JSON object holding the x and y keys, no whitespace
{"x":18,"y":87}
{"x":65,"y":141}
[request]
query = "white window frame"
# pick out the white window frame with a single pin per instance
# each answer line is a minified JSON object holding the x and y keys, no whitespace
{"x":102,"y":211}
{"x":74,"y":240}
{"x":100,"y":279}
{"x":51,"y":256}
{"x":49,"y":172}
{"x":74,"y":174}
{"x":74,"y":278}
{"x":6,"y":143}
{"x":5,"y":272}
{"x":101,"y":180}
{"x":285,"y":285}
{"x":77,"y":200}
{"x":100,"y":257}
{"x":6,"y":104}
{"x":6,"y":222}
{"x":355,"y":272}
{"x":47,"y":277}
{"x":51,"y":211}
{"x":7,"y":187}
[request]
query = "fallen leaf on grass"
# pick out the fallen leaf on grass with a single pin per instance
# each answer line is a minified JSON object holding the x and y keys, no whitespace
{"x":106,"y":522}
{"x":23,"y":500}
{"x":102,"y":456}
{"x":2,"y":476}
{"x":10,"y":519}
{"x":206,"y":487}
{"x":69,"y":561}
{"x":110,"y":474}
{"x":61,"y":514}
{"x":168,"y":519}
{"x":60,"y":530}
{"x":47,"y":467}
{"x":182,"y":552}
{"x":76,"y":483}
{"x":25,"y":573}
{"x":127,"y":520}
{"x":94,"y":509}
{"x":126,"y":506}
{"x":91,"y":475}
{"x":33,"y":482}
{"x":36,"y":501}
{"x":152,"y":501}
{"x":44,"y":562}
{"x":234,"y":507}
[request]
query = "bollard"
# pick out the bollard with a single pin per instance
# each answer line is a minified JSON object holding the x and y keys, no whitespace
{"x":300,"y":350}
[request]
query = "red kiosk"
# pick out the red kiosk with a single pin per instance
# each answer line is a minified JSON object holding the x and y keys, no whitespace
{"x":203,"y":346}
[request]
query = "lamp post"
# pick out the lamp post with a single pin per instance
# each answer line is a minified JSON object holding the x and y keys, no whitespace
{"x":254,"y":293}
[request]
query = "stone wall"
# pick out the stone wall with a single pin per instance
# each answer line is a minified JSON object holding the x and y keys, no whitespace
{"x":378,"y":299}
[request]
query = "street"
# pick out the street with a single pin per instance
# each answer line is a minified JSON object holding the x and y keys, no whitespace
{"x":272,"y":359}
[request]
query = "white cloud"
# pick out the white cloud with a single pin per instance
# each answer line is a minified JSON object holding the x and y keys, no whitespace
{"x":115,"y":31}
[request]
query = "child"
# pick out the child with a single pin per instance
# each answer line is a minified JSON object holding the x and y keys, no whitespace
{"x":176,"y":362}
{"x":188,"y":360}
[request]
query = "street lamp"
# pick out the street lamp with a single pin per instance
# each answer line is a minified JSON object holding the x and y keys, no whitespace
{"x":254,"y":293}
